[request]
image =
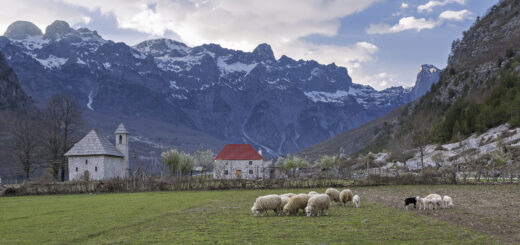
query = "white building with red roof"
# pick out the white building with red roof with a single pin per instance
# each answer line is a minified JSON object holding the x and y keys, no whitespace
{"x":238,"y":161}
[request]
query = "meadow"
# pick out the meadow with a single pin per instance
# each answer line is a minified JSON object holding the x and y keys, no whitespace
{"x":222,"y":217}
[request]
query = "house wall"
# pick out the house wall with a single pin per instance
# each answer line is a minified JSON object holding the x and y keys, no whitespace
{"x":114,"y":167}
{"x":220,"y":167}
{"x":79,"y":164}
{"x":99,"y":167}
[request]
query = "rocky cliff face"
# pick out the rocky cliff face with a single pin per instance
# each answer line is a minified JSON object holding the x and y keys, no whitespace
{"x":280,"y":105}
{"x":475,"y":58}
{"x":428,"y":75}
{"x":12,"y":96}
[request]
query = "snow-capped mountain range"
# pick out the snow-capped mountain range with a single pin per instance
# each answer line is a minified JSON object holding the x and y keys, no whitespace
{"x":281,"y":105}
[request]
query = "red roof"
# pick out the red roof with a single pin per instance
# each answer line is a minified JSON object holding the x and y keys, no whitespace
{"x":238,"y":152}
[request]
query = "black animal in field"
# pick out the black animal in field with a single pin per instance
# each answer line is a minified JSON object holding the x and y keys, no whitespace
{"x":410,"y":200}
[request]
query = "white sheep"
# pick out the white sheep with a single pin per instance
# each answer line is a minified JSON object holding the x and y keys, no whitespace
{"x":447,"y":202}
{"x":419,"y":203}
{"x":285,"y":200}
{"x":289,"y":195}
{"x":265,"y":203}
{"x":317,"y":204}
{"x":424,"y":203}
{"x":356,"y":200}
{"x":312,"y":193}
{"x":333,"y":194}
{"x":345,"y":196}
{"x":296,"y":203}
{"x":434,"y":200}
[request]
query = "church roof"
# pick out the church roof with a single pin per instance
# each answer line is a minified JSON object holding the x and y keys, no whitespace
{"x":238,"y":152}
{"x":121,"y":129}
{"x":94,"y":143}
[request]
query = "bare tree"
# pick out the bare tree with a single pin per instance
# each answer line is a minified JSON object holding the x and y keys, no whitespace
{"x":204,"y":159}
{"x":420,"y":139}
{"x":24,"y":141}
{"x":63,"y":122}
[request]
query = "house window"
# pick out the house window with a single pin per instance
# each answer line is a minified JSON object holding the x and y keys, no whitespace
{"x":225,"y":172}
{"x":227,"y":162}
{"x":250,"y":162}
{"x":120,"y":139}
{"x":95,"y":168}
{"x":86,"y":161}
{"x":250,"y":171}
{"x":76,"y":169}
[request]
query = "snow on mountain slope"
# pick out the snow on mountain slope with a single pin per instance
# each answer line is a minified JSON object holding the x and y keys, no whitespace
{"x":236,"y":96}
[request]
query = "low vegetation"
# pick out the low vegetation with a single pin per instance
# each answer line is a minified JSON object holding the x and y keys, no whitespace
{"x":220,"y":217}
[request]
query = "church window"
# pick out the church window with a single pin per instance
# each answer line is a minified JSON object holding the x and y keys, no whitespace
{"x":250,"y":171}
{"x":95,"y":169}
{"x":86,"y":161}
{"x":120,"y":139}
{"x":76,"y":169}
{"x":250,"y":162}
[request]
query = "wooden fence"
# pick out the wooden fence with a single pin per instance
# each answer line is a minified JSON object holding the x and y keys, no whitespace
{"x":142,"y":184}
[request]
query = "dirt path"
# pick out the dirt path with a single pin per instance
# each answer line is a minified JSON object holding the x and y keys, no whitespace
{"x":493,"y":210}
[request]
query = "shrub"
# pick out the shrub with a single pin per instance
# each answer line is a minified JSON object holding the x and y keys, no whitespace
{"x":10,"y":191}
{"x":499,"y":61}
{"x":510,"y":53}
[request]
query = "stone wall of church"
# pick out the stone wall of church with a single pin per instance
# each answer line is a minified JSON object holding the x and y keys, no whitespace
{"x":79,"y":165}
{"x":114,"y":167}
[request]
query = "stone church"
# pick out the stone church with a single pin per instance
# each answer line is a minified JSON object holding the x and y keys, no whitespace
{"x":94,"y":156}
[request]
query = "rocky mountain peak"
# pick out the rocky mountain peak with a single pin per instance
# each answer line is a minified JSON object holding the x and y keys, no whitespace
{"x":57,"y":28}
{"x":22,"y":29}
{"x":264,"y":52}
{"x":428,"y":69}
{"x":428,"y":75}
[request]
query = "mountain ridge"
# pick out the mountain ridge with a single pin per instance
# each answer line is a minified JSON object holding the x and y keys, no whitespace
{"x":281,"y":105}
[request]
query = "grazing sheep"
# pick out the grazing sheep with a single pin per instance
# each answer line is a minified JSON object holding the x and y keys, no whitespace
{"x":333,"y":194}
{"x":316,"y":205}
{"x":424,"y":203}
{"x":345,"y":196}
{"x":289,"y":195}
{"x":435,"y":201}
{"x":312,"y":193}
{"x":356,"y":200}
{"x":264,"y":203}
{"x":285,"y":200}
{"x":447,"y":202}
{"x":410,"y":200}
{"x":296,"y":203}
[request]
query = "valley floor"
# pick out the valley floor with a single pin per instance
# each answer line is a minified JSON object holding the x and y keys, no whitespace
{"x":483,"y":215}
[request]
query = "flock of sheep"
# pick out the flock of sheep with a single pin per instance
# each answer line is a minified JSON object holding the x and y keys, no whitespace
{"x":432,"y":201}
{"x":312,"y":204}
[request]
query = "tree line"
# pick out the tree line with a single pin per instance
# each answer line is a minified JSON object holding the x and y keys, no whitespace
{"x":41,"y":140}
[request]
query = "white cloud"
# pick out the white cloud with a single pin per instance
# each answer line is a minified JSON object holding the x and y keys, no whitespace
{"x":455,"y":15}
{"x":404,"y":5}
{"x":380,"y":80}
{"x":412,"y":23}
{"x":406,"y":23}
{"x":429,"y":6}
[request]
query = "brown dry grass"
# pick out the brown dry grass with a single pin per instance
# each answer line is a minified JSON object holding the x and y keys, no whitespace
{"x":491,"y":209}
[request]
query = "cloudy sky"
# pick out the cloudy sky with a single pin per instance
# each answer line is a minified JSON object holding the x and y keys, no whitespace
{"x":381,"y":42}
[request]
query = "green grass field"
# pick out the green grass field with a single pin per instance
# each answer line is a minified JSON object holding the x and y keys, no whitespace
{"x":210,"y":217}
